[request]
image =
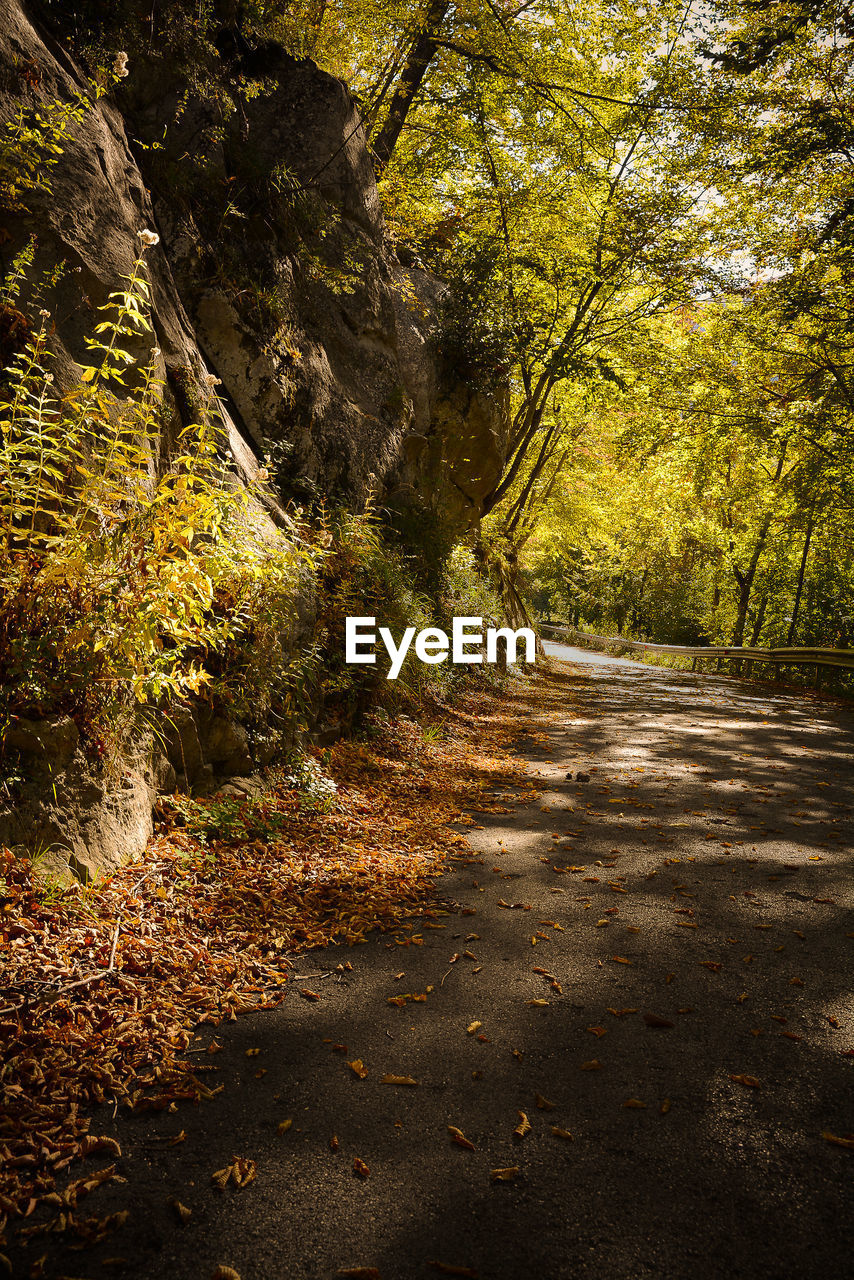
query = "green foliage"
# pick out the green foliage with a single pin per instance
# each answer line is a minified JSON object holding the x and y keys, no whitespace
{"x":124,"y":576}
{"x":31,"y":144}
{"x":225,"y":817}
{"x":364,"y":575}
{"x":318,"y":793}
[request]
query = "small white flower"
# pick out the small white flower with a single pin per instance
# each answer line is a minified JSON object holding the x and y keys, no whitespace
{"x":148,"y":238}
{"x":44,"y":313}
{"x":210,"y":380}
{"x":263,"y":473}
{"x":48,"y":377}
{"x":120,"y":65}
{"x":155,"y":352}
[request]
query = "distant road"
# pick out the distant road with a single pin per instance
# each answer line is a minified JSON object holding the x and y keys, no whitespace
{"x":568,"y":653}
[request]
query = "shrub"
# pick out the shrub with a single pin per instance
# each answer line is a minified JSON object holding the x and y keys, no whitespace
{"x":123,"y":581}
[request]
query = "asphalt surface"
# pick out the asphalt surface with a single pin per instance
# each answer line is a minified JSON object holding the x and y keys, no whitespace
{"x":569,"y":653}
{"x":688,"y":856}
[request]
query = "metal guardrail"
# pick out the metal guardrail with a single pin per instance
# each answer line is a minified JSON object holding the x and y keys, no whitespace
{"x":843,"y":658}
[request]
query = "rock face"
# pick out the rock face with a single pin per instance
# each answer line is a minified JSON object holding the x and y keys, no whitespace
{"x":75,"y":816}
{"x":276,"y":273}
{"x":325,"y":343}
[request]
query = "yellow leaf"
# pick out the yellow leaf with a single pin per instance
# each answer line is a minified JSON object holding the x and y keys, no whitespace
{"x":183,"y":1213}
{"x":634,"y":1104}
{"x":543,"y":1104}
{"x":524,"y":1125}
{"x":504,"y":1175}
{"x":460,"y":1138}
{"x":472,"y":1027}
{"x":838,"y":1142}
{"x":284,"y":1126}
{"x":398,"y":1080}
{"x":561,"y":1133}
{"x":358,"y":1068}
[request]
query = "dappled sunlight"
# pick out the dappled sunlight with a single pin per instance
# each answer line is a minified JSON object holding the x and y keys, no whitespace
{"x":640,"y":959}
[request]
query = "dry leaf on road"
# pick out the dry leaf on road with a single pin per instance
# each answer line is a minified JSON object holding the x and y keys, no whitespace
{"x":504,"y":1175}
{"x":524,"y":1125}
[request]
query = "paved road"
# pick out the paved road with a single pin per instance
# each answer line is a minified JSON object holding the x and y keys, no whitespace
{"x":569,"y":653}
{"x":687,"y":857}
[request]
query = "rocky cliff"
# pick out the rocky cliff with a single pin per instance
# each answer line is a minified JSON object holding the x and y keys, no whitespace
{"x":275,"y":273}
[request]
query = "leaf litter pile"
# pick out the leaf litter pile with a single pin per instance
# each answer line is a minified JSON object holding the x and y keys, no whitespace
{"x":102,"y":987}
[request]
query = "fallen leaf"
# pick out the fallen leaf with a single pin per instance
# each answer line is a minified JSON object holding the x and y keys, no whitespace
{"x":472,"y":1027}
{"x":848,"y":1143}
{"x":504,"y":1175}
{"x":593,"y":1065}
{"x":225,"y":1273}
{"x":182,"y":1213}
{"x":538,"y":1003}
{"x":460,"y":1138}
{"x":334,"y":1143}
{"x":561,"y":1133}
{"x":360,"y":1169}
{"x":750,"y":1082}
{"x":665,"y":1106}
{"x":310,"y":995}
{"x":284,"y":1126}
{"x":654,"y":1020}
{"x":543,"y":1104}
{"x":524,"y":1125}
{"x":634,"y":1104}
{"x":621,"y":960}
{"x":252,"y":1053}
{"x":598,"y":1031}
{"x":358,"y":1068}
{"x":398,"y":1080}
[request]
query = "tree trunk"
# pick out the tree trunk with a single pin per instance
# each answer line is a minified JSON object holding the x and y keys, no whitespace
{"x":760,"y":618}
{"x":745,"y":579}
{"x":415,"y":68}
{"x":797,"y":605}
